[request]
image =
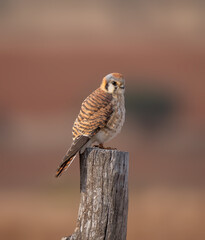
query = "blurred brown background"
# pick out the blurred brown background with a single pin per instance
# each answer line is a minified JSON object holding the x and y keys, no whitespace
{"x":52,"y":55}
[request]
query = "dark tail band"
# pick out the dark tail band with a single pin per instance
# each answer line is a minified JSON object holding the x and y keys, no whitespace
{"x":71,"y":153}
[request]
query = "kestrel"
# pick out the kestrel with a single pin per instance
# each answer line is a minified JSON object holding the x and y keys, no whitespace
{"x":101,"y":118}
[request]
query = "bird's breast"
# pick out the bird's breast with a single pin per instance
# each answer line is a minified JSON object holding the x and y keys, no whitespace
{"x":115,"y":122}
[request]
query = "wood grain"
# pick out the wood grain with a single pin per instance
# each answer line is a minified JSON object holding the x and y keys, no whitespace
{"x":104,"y":195}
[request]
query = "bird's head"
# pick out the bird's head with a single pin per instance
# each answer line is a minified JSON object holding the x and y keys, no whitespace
{"x":113,"y":83}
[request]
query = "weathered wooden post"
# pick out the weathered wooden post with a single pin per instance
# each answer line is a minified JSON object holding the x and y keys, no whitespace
{"x":104,"y":196}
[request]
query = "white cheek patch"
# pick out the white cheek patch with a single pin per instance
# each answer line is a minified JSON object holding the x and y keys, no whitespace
{"x":111,"y":88}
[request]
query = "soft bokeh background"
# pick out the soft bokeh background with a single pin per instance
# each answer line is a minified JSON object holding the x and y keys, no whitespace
{"x":52,"y":55}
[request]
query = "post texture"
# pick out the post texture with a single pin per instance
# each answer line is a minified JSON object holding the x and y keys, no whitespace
{"x":104,"y":195}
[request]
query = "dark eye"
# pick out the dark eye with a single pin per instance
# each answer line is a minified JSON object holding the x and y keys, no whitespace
{"x":114,"y":83}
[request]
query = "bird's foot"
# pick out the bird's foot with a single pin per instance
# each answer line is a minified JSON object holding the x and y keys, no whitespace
{"x":102,"y":147}
{"x":110,"y":148}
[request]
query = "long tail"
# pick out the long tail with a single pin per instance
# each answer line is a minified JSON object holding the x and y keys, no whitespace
{"x":71,"y":153}
{"x":64,"y":166}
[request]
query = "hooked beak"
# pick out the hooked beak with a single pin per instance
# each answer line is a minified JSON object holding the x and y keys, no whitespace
{"x":122,"y":86}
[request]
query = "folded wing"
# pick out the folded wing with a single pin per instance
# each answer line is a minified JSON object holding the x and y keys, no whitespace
{"x":94,"y":115}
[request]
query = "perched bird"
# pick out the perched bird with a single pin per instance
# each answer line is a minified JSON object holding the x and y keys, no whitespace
{"x":101,"y":117}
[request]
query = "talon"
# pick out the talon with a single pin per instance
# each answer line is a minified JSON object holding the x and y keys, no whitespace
{"x":99,"y":146}
{"x":111,"y":148}
{"x":102,"y":147}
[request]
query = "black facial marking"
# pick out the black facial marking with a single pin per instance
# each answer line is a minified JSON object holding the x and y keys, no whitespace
{"x":114,"y":83}
{"x":106,"y":86}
